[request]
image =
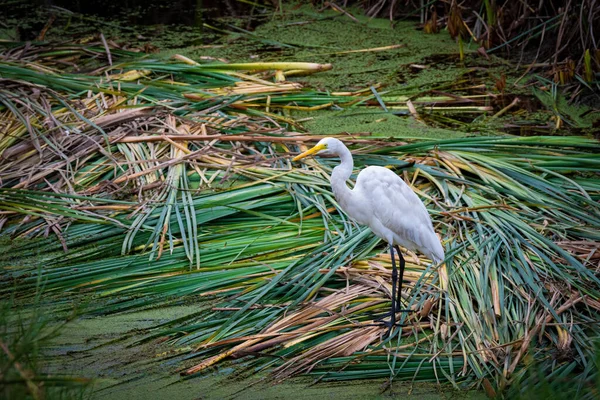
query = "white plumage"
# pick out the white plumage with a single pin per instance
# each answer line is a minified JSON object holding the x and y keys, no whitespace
{"x":385,"y":203}
{"x":398,"y":216}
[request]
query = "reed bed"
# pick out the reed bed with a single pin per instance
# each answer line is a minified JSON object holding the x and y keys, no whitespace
{"x":148,"y":183}
{"x":554,"y":38}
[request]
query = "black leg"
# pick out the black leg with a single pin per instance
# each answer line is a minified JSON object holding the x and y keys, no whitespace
{"x":401,"y":280}
{"x":394,"y":278}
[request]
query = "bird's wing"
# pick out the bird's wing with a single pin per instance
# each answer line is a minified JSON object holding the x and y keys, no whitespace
{"x":399,"y":209}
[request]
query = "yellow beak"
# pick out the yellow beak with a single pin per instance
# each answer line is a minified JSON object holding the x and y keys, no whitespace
{"x":307,"y":153}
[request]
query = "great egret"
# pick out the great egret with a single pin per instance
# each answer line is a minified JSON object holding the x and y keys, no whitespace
{"x":382,"y":201}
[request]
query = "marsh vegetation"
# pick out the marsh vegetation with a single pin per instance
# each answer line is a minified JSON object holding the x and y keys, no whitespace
{"x":148,"y":201}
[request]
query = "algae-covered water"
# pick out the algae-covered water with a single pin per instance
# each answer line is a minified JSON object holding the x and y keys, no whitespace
{"x":92,"y":347}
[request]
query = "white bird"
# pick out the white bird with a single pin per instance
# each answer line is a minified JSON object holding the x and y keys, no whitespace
{"x":386,"y":204}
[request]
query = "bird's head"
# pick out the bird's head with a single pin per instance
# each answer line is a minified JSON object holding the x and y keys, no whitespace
{"x":326,"y":146}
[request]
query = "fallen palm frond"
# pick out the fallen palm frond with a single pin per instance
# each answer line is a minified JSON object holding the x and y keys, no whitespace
{"x":48,"y":113}
{"x":151,"y":168}
{"x":508,"y":279}
{"x":71,"y":56}
{"x":506,"y":210}
{"x":63,"y":134}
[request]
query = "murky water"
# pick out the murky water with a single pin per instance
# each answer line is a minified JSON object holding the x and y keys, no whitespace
{"x":150,"y":12}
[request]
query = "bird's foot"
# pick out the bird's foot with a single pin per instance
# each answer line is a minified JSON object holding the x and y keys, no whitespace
{"x":389,"y":325}
{"x":389,"y":314}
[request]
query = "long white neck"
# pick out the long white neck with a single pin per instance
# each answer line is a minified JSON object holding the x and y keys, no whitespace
{"x":340,"y":175}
